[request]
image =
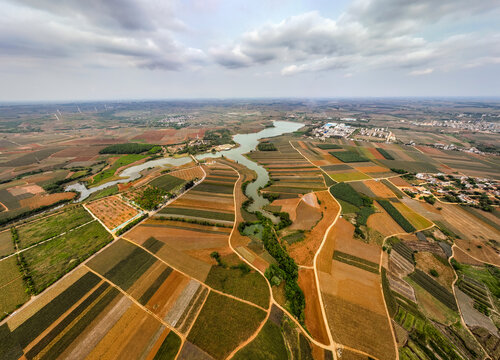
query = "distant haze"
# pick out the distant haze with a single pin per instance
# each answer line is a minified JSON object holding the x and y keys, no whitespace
{"x":109,"y":49}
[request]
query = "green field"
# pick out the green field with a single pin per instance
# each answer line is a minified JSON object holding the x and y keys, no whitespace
{"x":12,"y":291}
{"x":397,"y":216}
{"x":112,"y":190}
{"x":219,"y":332}
{"x":6,"y":245}
{"x":109,"y":172}
{"x":217,"y":188}
{"x":51,"y":226}
{"x":410,"y":166}
{"x":204,"y":214}
{"x":248,"y":286}
{"x":349,"y":156}
{"x":167,"y":182}
{"x":51,"y":260}
{"x":349,"y":176}
{"x":169,"y":348}
{"x":268,"y":344}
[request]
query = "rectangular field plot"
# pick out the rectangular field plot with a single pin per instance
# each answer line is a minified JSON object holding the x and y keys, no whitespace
{"x":53,"y":225}
{"x":185,"y":246}
{"x":6,"y":244}
{"x":218,"y":333}
{"x":51,"y":260}
{"x":12,"y":287}
{"x":112,"y":211}
{"x":167,"y":182}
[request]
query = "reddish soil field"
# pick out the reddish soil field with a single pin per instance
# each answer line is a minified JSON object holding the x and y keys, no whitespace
{"x":164,"y":298}
{"x":375,"y":153}
{"x":207,"y":204}
{"x":288,"y":205}
{"x":112,"y":211}
{"x":430,"y":150}
{"x":45,"y":199}
{"x":154,"y":136}
{"x":314,"y":318}
{"x":95,"y":141}
{"x":303,"y":252}
{"x":372,"y":169}
{"x":379,"y":189}
{"x":306,"y":216}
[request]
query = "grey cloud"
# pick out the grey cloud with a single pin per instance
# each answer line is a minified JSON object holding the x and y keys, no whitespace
{"x":371,"y":33}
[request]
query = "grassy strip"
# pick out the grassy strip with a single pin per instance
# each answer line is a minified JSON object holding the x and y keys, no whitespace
{"x":393,"y":188}
{"x":356,"y":261}
{"x":390,"y":300}
{"x":155,"y":286}
{"x":130,"y":225}
{"x":47,"y":339}
{"x":328,"y":146}
{"x":226,"y":329}
{"x":295,"y":237}
{"x":245,"y":285}
{"x":167,"y":182}
{"x":397,"y":216}
{"x":122,"y":161}
{"x":205,"y":214}
{"x":268,"y":344}
{"x":70,"y":336}
{"x":344,"y":191}
{"x":215,"y":188}
{"x":129,"y":270}
{"x":434,"y":288}
{"x":38,"y":322}
{"x":169,"y":348}
{"x":385,"y":154}
{"x":328,"y":180}
{"x":348,"y":156}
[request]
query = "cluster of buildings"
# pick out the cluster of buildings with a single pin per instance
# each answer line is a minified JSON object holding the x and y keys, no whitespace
{"x":450,"y":188}
{"x":471,"y":125}
{"x":331,"y":129}
{"x":380,"y":133}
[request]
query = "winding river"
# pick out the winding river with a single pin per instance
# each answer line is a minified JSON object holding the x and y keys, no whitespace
{"x":246,"y":142}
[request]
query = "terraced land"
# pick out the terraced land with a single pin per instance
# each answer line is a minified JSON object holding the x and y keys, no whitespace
{"x":290,"y":172}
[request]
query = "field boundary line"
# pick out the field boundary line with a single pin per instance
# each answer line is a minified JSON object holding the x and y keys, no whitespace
{"x":46,"y":240}
{"x":190,"y":277}
{"x":100,"y":222}
{"x":462,"y":321}
{"x":142,"y":307}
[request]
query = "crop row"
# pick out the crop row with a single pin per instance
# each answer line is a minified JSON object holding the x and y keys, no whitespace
{"x":397,"y":216}
{"x":385,"y":154}
{"x":204,"y":214}
{"x":404,"y":251}
{"x":349,"y":156}
{"x":356,"y":261}
{"x":434,"y":288}
{"x":344,"y":191}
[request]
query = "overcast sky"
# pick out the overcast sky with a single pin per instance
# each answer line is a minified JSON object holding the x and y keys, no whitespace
{"x":131,"y":49}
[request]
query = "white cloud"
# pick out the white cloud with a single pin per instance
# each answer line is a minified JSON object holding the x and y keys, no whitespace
{"x":422,"y":72}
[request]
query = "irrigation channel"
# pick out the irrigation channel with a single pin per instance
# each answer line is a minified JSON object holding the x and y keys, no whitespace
{"x":246,"y":142}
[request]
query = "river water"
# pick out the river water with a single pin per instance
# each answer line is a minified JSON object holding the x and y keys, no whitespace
{"x":247,"y":143}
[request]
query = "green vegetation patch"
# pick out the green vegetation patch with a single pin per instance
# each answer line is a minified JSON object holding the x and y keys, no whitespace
{"x":250,"y":286}
{"x":219,"y":332}
{"x":167,"y":182}
{"x":112,"y":190}
{"x":122,"y":161}
{"x":356,"y":261}
{"x":217,"y":188}
{"x":128,"y":148}
{"x":205,"y":214}
{"x":49,"y":261}
{"x":328,"y":180}
{"x":328,"y":146}
{"x":434,"y":288}
{"x":269,"y":344}
{"x":149,"y":197}
{"x":385,"y":154}
{"x":397,"y":216}
{"x":169,"y":348}
{"x":345,"y":192}
{"x":51,"y":226}
{"x":266,"y":146}
{"x":38,"y":322}
{"x":349,"y":156}
{"x":393,"y":188}
{"x":295,"y":237}
{"x":390,"y":300}
{"x":13,"y":292}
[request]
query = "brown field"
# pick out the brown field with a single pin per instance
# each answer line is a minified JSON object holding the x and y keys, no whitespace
{"x":372,"y":169}
{"x":45,"y":199}
{"x":430,"y":150}
{"x":288,"y":205}
{"x":384,"y":223}
{"x":112,"y":211}
{"x":188,"y":174}
{"x":355,"y":310}
{"x":308,"y":213}
{"x":379,"y":189}
{"x":78,"y":152}
{"x":194,"y":201}
{"x":462,"y":257}
{"x":376,"y":154}
{"x":313,"y":315}
{"x":164,"y":298}
{"x":475,"y":232}
{"x":398,"y":181}
{"x":303,"y":252}
{"x":427,"y":261}
{"x":342,"y":230}
{"x":27,"y":189}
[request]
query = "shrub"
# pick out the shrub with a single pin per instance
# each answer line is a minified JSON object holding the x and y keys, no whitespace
{"x":128,"y":148}
{"x":433,"y":272}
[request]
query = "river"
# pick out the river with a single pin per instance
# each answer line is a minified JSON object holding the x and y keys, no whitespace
{"x":246,"y":142}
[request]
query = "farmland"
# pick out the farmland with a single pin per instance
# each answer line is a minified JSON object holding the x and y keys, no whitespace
{"x":112,"y":211}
